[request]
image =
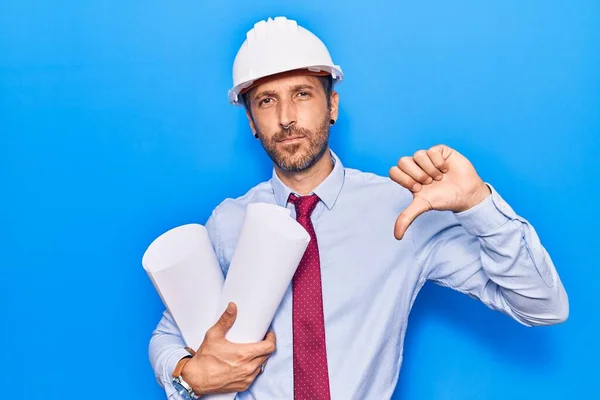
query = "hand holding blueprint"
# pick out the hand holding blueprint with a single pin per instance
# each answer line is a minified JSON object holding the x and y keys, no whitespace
{"x":186,"y":273}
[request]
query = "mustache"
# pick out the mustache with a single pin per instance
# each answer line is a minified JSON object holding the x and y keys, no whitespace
{"x":291,"y":132}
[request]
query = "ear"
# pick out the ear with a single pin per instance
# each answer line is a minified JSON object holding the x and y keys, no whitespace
{"x":335,"y":101}
{"x":251,"y":121}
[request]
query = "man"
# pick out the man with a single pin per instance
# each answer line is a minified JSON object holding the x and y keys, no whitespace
{"x":374,"y":243}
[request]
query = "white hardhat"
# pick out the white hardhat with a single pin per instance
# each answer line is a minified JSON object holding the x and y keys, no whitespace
{"x":279,"y":45}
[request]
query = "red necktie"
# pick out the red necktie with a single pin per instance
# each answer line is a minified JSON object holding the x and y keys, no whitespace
{"x":311,"y":378}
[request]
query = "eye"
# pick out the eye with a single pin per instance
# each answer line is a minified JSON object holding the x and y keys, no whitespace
{"x":265,"y":102}
{"x":303,"y":95}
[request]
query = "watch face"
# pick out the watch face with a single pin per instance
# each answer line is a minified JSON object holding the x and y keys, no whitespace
{"x":181,"y":390}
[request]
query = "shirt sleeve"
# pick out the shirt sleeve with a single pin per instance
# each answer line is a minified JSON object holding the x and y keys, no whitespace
{"x":494,"y":255}
{"x":166,"y":345}
{"x":166,"y":349}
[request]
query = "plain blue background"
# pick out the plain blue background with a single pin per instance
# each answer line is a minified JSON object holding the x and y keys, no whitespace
{"x":115,"y":126}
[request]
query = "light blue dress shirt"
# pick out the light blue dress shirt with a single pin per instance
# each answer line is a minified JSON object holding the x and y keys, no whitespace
{"x":370,"y":280}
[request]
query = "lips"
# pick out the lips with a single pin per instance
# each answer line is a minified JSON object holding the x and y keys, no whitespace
{"x":291,"y":139}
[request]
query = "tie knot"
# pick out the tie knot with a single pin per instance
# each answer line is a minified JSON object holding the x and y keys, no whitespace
{"x":305,"y":205}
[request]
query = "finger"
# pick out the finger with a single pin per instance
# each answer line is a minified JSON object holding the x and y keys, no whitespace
{"x":249,"y":374}
{"x":248,"y":381}
{"x":258,"y":362}
{"x":266,"y":347}
{"x":414,"y":209}
{"x":270,"y":337}
{"x":410,"y":167}
{"x":439,"y":155}
{"x":225,"y":322}
{"x":404,"y":180}
{"x":250,"y":351}
{"x":425,"y":163}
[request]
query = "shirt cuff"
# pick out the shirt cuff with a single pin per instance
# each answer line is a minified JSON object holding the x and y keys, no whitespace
{"x":487,"y":216}
{"x":168,"y":373}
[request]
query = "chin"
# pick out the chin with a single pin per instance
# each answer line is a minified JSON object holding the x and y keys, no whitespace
{"x":297,"y":162}
{"x":295,"y":157}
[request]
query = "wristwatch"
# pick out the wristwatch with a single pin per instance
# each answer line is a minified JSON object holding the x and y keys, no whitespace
{"x":183,"y":388}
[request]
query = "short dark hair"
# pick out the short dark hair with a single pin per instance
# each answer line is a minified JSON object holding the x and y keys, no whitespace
{"x":326,"y":81}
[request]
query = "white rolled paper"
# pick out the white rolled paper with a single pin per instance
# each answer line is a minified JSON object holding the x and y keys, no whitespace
{"x":185,"y":272}
{"x":269,"y":249}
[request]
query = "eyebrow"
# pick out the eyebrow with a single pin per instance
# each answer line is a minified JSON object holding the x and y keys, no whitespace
{"x":264,"y":93}
{"x":302,"y":86}
{"x":294,"y":88}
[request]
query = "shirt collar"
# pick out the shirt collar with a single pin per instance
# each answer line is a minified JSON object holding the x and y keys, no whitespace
{"x":328,"y":190}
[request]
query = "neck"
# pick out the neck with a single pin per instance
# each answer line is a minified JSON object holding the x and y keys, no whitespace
{"x":304,"y":182}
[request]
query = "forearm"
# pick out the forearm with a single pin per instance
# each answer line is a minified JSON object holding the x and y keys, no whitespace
{"x":522,"y":278}
{"x":165,"y":350}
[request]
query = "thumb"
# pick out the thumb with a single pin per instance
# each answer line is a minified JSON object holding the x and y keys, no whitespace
{"x":414,"y":209}
{"x":226,"y":320}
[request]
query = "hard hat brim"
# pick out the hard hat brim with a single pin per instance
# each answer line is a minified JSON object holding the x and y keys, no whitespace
{"x":235,"y":93}
{"x":300,"y":71}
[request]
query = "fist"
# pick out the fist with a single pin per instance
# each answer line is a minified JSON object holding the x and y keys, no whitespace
{"x":220,"y":366}
{"x":440,"y":179}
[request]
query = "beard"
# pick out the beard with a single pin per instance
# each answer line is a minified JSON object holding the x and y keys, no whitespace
{"x":297,"y":157}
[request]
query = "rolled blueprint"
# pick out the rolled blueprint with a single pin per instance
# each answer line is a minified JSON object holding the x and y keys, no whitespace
{"x":269,"y":249}
{"x":185,"y":272}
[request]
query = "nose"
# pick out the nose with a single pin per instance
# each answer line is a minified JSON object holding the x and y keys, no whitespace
{"x":287,"y":114}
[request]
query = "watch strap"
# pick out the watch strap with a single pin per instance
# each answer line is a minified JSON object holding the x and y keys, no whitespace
{"x":182,"y":362}
{"x":180,"y":365}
